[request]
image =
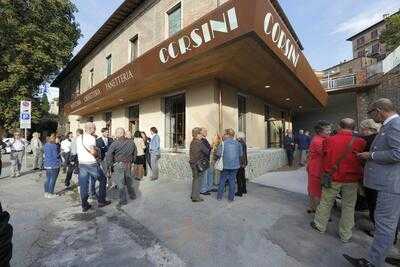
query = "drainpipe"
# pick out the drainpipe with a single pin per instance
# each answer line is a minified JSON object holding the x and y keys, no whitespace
{"x":220,"y":122}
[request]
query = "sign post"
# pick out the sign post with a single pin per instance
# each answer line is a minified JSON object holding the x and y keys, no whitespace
{"x":25,"y":121}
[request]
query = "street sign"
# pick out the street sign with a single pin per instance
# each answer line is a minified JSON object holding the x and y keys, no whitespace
{"x":25,"y":115}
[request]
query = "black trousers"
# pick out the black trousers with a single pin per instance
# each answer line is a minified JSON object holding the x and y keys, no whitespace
{"x":370,"y":196}
{"x":289,"y":154}
{"x":1,"y":165}
{"x":72,"y":167}
{"x":241,"y":181}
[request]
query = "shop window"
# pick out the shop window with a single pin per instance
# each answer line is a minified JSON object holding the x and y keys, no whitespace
{"x":241,"y":113}
{"x":108,"y":120}
{"x":133,"y":48}
{"x":91,"y":78}
{"x":175,"y":107}
{"x":174,"y":20}
{"x":133,"y":116}
{"x":109,"y":65}
{"x":275,"y":124}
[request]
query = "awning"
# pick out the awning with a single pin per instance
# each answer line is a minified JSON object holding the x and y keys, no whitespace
{"x":243,"y":43}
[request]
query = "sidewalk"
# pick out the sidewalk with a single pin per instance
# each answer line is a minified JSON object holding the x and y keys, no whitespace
{"x":268,"y":227}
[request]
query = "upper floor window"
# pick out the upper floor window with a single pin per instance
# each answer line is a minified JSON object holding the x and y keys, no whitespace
{"x":174,"y":19}
{"x":109,"y":64}
{"x":361,"y":53}
{"x":375,"y":48}
{"x":374,"y":34}
{"x":91,"y":78}
{"x":360,"y":41}
{"x":133,"y":44}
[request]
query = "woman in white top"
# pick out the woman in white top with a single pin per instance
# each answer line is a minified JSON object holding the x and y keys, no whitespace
{"x":140,"y":159}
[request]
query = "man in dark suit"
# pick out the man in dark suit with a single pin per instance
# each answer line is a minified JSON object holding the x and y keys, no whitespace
{"x":382,"y":173}
{"x":103,"y":143}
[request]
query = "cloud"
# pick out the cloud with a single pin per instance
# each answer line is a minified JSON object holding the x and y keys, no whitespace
{"x":366,"y":18}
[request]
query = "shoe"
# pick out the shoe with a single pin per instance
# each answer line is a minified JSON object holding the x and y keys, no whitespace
{"x":49,"y":195}
{"x":68,"y":188}
{"x":238,"y":195}
{"x":358,"y":262}
{"x":345,"y":240}
{"x":314,"y":226}
{"x":120,"y":204}
{"x":369,"y":232}
{"x":393,"y":261}
{"x":132,"y":196}
{"x":103,"y":204}
{"x":309,"y":211}
{"x":205,"y":193}
{"x":86,"y":208}
{"x":214,"y":190}
{"x":46,"y":195}
{"x":138,"y":179}
{"x":153,"y":179}
{"x":197,"y":200}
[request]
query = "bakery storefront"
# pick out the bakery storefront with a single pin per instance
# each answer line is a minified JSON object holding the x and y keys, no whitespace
{"x":238,"y":67}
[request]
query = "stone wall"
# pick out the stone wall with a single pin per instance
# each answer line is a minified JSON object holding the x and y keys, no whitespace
{"x":389,"y":87}
{"x":176,"y":166}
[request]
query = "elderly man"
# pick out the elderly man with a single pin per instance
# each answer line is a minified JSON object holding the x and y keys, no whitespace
{"x":121,"y":155}
{"x":88,"y":167}
{"x":18,"y":146}
{"x":382,"y":173}
{"x":340,"y":162}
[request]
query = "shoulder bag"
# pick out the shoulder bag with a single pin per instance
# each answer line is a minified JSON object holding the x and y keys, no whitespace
{"x":326,"y":179}
{"x":219,"y":164}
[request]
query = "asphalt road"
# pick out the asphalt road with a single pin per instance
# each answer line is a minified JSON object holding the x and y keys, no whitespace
{"x":268,"y":227}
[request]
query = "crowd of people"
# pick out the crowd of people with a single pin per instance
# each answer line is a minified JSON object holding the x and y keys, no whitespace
{"x":341,"y":164}
{"x":358,"y":166}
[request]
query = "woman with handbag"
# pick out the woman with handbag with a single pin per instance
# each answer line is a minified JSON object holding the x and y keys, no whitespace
{"x":314,"y":166}
{"x":199,"y":162}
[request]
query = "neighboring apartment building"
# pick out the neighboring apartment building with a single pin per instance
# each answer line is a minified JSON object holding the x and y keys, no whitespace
{"x":367,"y":42}
{"x":176,"y":65}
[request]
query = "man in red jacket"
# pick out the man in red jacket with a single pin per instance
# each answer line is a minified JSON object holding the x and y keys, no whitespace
{"x":340,"y":160}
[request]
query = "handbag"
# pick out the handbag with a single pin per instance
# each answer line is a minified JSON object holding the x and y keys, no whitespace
{"x":202,"y":165}
{"x":219,"y":164}
{"x":326,"y":178}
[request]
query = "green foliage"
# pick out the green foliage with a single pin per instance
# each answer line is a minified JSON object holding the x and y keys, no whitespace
{"x":37,"y":38}
{"x":391,"y":35}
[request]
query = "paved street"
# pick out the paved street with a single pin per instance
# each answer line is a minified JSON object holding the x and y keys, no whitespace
{"x":268,"y":227}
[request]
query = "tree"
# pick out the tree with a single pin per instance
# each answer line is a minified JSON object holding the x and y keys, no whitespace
{"x":37,"y":38}
{"x":391,"y":35}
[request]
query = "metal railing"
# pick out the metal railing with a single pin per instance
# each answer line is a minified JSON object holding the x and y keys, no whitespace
{"x":339,"y":82}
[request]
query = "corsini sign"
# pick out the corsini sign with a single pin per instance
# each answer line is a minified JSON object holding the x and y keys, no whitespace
{"x":274,"y":30}
{"x":199,"y":36}
{"x":119,"y":80}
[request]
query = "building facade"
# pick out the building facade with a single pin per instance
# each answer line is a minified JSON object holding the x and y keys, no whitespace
{"x":367,"y":43}
{"x":176,"y":65}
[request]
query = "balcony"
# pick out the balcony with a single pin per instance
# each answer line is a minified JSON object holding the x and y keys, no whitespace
{"x":339,"y":82}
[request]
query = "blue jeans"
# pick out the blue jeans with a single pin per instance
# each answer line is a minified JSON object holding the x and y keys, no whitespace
{"x":387,"y":215}
{"x":51,"y":178}
{"x":206,"y":181}
{"x":87,"y":172}
{"x":230,"y":176}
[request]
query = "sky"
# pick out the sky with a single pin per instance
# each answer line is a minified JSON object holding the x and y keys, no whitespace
{"x":322,"y":25}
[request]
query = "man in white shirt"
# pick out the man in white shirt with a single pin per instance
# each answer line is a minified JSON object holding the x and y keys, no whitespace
{"x":88,"y":167}
{"x":18,"y":145}
{"x":66,"y":150}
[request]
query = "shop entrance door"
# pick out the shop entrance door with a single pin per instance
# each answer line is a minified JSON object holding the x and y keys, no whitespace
{"x":133,"y":115}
